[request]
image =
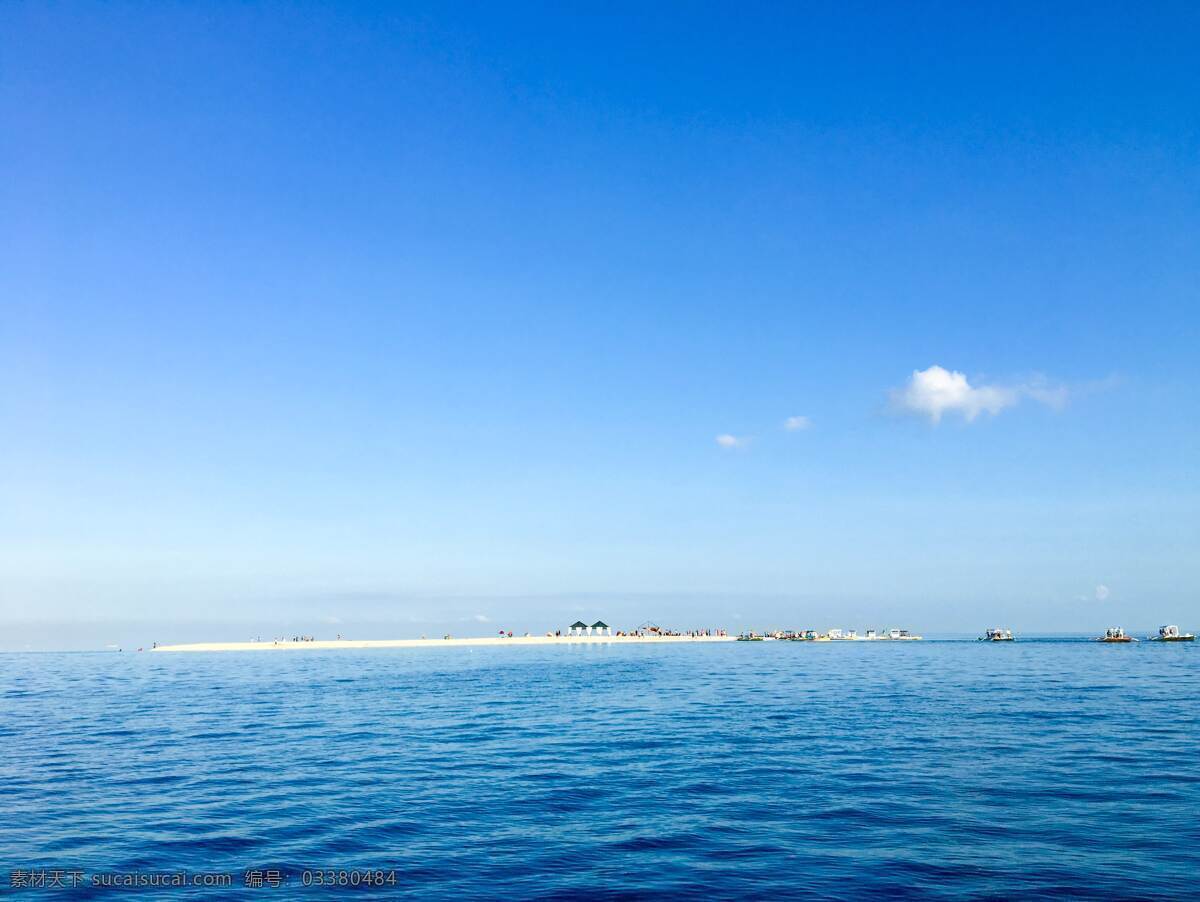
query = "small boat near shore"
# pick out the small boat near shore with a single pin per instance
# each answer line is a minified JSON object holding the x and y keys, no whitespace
{"x":895,"y":635}
{"x":1115,"y":634}
{"x":996,"y":634}
{"x":750,"y":637}
{"x":1171,"y":634}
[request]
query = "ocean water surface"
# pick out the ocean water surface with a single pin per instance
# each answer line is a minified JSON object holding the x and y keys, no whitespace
{"x":924,"y":769}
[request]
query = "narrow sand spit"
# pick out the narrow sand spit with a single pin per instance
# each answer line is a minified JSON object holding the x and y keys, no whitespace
{"x":289,"y":645}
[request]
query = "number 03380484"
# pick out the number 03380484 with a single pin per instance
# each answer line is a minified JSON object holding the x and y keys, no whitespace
{"x":330,"y":877}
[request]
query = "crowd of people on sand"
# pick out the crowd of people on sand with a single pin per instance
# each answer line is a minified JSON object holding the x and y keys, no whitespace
{"x":657,"y":631}
{"x":648,"y":632}
{"x":654,"y":632}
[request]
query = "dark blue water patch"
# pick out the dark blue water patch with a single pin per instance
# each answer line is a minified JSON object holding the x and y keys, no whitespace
{"x":936,"y":770}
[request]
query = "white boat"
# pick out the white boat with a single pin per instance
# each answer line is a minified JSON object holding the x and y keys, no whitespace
{"x":1115,"y":634}
{"x":1171,"y":634}
{"x":900,"y":635}
{"x":996,"y":634}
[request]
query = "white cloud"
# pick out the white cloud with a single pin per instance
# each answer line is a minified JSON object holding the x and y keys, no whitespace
{"x":1102,"y":593}
{"x":726,"y":440}
{"x":937,"y":391}
{"x":795,"y":424}
{"x":483,"y":618}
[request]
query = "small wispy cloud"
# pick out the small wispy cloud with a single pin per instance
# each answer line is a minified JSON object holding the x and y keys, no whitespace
{"x":1055,"y":396}
{"x":795,"y":424}
{"x":1102,"y":593}
{"x":936,"y":391}
{"x":725,"y":440}
{"x":482,"y":618}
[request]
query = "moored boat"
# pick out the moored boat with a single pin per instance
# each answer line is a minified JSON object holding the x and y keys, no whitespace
{"x":899,"y":635}
{"x":1115,"y":634}
{"x":1171,"y":634}
{"x":996,"y":634}
{"x":802,"y":636}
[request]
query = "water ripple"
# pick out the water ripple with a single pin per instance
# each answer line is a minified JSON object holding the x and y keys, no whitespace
{"x":924,"y":771}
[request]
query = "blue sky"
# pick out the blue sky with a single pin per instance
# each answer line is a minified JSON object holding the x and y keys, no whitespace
{"x":325,"y":314}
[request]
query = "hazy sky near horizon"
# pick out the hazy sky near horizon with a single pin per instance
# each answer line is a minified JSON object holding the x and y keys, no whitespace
{"x":327,"y":312}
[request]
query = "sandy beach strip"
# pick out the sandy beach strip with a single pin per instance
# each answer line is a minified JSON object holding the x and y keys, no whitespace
{"x":491,"y":641}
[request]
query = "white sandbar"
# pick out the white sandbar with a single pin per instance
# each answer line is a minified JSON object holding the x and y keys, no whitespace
{"x":288,"y":645}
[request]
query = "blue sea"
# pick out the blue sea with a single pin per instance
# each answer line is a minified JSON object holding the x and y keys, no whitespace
{"x":741,"y":770}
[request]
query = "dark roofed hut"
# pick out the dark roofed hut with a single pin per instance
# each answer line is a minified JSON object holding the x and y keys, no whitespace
{"x":599,"y":628}
{"x":578,"y":627}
